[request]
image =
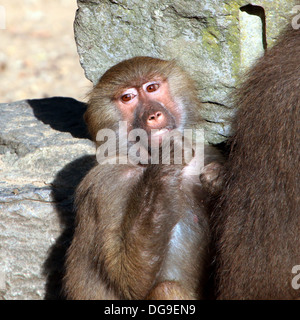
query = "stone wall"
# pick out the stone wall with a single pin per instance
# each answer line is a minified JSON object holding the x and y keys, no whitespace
{"x":44,"y":153}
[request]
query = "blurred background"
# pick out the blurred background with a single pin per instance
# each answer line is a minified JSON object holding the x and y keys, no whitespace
{"x":38,"y":56}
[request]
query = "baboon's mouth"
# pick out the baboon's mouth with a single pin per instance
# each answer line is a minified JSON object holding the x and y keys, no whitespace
{"x":157,"y":136}
{"x":160,"y":132}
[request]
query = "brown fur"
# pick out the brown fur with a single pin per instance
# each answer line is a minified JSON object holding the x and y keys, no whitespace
{"x":124,"y":223}
{"x":169,"y":290}
{"x":140,"y":231}
{"x":258,"y":219}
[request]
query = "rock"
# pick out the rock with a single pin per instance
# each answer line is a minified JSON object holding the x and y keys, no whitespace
{"x":205,"y":37}
{"x":44,"y":153}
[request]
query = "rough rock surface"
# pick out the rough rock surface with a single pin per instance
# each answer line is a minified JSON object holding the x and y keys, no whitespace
{"x":44,"y":153}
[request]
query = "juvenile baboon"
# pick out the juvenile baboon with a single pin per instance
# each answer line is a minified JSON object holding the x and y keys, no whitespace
{"x":141,"y":229}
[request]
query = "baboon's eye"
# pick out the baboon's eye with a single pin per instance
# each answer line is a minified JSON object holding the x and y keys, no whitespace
{"x":152,"y":87}
{"x":127,"y":97}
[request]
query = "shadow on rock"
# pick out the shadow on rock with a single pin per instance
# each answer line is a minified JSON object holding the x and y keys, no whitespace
{"x":63,"y":189}
{"x":61,"y":113}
